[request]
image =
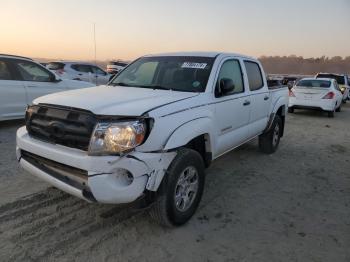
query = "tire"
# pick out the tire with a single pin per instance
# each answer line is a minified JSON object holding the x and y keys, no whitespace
{"x":331,"y":114}
{"x":165,"y":210}
{"x":290,"y":110}
{"x":268,"y":142}
{"x":338,"y":109}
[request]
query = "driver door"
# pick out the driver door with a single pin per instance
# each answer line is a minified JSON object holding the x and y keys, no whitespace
{"x":232,"y":110}
{"x":37,"y":80}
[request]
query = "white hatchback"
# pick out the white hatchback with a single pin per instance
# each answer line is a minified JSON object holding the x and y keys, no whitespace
{"x":319,"y":94}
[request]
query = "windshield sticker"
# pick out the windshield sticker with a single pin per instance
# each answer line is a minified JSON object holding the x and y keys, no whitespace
{"x":194,"y":65}
{"x":196,"y":84}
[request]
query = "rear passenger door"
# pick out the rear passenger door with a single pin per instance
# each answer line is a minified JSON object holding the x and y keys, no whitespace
{"x":232,"y":110}
{"x":12,"y":92}
{"x":259,"y":97}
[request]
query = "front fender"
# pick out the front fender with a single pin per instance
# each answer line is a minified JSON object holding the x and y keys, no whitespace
{"x":189,"y":130}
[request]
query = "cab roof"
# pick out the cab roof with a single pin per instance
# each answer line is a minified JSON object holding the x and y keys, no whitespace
{"x":199,"y":54}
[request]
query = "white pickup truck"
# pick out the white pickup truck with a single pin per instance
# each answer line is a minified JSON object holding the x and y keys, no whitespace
{"x":150,"y":133}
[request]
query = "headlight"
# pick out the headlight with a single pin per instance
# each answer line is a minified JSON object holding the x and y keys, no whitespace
{"x":114,"y":138}
{"x":342,"y":89}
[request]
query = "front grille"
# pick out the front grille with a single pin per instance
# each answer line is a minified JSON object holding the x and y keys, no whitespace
{"x":61,"y":125}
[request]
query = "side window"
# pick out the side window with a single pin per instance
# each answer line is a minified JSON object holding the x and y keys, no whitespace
{"x":231,"y":69}
{"x":254,"y":75}
{"x":81,"y":68}
{"x":5,"y":73}
{"x":98,"y":71}
{"x":32,"y":72}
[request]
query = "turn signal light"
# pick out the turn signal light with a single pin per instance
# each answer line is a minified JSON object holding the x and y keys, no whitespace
{"x":330,"y":95}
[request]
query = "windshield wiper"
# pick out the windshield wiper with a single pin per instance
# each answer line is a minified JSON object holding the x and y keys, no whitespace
{"x":156,"y":87}
{"x":119,"y":84}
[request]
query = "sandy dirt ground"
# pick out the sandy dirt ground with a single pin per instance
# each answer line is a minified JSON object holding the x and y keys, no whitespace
{"x":293,"y":205}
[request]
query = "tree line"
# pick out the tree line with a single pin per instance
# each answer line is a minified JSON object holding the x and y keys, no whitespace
{"x":305,"y":66}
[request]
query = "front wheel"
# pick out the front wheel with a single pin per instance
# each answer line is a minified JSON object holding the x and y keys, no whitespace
{"x":268,"y":142}
{"x":181,"y":189}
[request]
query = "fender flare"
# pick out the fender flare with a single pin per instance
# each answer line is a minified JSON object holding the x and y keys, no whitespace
{"x":189,"y":130}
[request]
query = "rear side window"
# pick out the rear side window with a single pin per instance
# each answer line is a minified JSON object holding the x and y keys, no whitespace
{"x":254,"y":75}
{"x":82,"y":68}
{"x":5,"y":73}
{"x":231,"y":69}
{"x":55,"y":65}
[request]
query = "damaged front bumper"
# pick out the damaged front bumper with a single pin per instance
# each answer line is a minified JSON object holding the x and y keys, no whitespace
{"x":105,"y":179}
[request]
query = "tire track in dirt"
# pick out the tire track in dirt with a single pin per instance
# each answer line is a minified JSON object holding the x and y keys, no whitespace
{"x":51,"y":223}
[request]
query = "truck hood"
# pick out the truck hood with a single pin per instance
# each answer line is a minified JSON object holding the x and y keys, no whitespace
{"x":114,"y":100}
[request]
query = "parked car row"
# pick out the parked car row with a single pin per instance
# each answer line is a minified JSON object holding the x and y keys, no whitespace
{"x":80,"y":71}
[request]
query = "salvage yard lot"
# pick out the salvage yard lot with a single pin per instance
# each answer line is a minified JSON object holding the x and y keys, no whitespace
{"x":289,"y":206}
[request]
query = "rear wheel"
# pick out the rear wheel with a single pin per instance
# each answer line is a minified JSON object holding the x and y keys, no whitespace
{"x":331,"y":114}
{"x":338,"y":109}
{"x":268,"y":142}
{"x":181,"y":189}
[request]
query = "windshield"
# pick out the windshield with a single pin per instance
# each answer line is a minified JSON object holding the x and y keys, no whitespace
{"x":178,"y":73}
{"x":314,"y":83}
{"x":340,"y":79}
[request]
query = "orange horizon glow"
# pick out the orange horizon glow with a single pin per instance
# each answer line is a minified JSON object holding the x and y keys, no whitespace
{"x":127,"y":29}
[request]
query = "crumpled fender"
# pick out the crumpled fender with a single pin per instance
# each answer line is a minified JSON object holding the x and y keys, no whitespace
{"x":189,"y":130}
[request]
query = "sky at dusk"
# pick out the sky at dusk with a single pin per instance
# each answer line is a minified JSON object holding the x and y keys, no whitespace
{"x":131,"y":28}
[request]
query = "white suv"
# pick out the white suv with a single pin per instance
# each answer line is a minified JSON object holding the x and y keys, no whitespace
{"x":22,"y":80}
{"x":80,"y":71}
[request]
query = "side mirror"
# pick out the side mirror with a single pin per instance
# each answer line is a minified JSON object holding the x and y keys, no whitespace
{"x":226,"y":86}
{"x":55,"y":78}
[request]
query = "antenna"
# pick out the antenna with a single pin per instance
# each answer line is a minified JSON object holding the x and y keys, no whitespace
{"x":95,"y":42}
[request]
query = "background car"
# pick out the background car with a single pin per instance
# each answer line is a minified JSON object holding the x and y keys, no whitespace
{"x":114,"y":67}
{"x":80,"y":71}
{"x":343,"y":82}
{"x":22,"y":80}
{"x":320,"y":94}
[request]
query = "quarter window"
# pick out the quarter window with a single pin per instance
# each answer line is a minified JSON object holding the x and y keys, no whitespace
{"x":32,"y":72}
{"x":254,"y":75}
{"x":4,"y":71}
{"x":231,"y":69}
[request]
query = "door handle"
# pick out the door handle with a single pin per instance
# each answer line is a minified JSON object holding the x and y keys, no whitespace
{"x":246,"y":103}
{"x":266,"y":97}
